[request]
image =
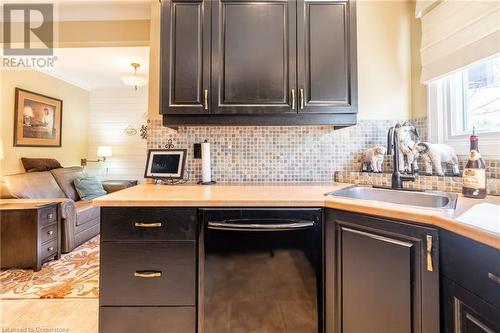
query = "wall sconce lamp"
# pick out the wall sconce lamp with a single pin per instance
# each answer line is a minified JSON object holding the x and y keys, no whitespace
{"x":102,"y":153}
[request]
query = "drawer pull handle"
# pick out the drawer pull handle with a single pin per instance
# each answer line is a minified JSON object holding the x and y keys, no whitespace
{"x":50,"y":249}
{"x":301,"y":99}
{"x":147,"y":225}
{"x":494,"y":278}
{"x":147,"y":274}
{"x":50,"y":216}
{"x":430,"y":266}
{"x":50,"y":232}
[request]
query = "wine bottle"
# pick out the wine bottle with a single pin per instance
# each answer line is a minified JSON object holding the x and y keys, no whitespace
{"x":474,"y":176}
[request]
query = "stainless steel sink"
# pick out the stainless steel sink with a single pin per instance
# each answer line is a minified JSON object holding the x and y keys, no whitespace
{"x":430,"y":199}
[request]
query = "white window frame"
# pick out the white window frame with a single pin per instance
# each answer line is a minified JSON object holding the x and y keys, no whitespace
{"x":440,"y":104}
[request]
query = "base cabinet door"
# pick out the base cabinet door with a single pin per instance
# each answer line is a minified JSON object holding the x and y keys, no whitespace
{"x":381,"y":276}
{"x":465,"y":312}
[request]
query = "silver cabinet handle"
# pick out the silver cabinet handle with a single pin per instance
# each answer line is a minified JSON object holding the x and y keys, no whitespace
{"x":205,"y":99}
{"x":50,"y":249}
{"x":148,"y":225}
{"x":235,"y":226}
{"x":147,"y":274}
{"x":301,"y":98}
{"x":50,"y":232}
{"x":293,"y":99}
{"x":50,"y":216}
{"x":494,"y":278}
{"x":430,"y":265}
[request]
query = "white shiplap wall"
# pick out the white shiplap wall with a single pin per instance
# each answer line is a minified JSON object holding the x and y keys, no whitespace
{"x":111,"y":112}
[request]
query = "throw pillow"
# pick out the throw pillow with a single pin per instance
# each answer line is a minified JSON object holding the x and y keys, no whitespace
{"x":39,"y":164}
{"x":89,"y":188}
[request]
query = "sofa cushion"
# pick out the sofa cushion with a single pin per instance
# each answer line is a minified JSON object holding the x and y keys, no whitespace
{"x":65,"y":177}
{"x":85,"y":212}
{"x":89,"y":188}
{"x":33,"y":185}
{"x":39,"y":164}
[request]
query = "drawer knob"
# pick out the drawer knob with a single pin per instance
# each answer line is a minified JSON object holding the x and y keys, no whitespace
{"x":50,"y":216}
{"x":50,"y":248}
{"x":494,"y":278}
{"x":50,"y":232}
{"x":148,"y":225}
{"x":147,"y":274}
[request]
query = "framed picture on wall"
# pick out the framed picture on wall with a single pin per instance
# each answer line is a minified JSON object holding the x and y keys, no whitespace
{"x":37,"y":120}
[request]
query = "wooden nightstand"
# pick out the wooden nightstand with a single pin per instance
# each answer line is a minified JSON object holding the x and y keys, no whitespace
{"x":30,"y":234}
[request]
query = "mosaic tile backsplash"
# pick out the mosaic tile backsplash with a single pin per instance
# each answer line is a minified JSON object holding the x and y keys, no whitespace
{"x":285,"y":153}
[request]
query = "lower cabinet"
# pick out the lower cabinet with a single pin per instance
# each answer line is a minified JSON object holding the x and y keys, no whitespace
{"x":470,"y":285}
{"x":147,"y":319}
{"x":380,"y":275}
{"x":464,"y":312}
{"x":148,"y":270}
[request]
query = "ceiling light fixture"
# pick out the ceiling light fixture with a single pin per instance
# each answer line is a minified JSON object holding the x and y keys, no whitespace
{"x":135,"y":80}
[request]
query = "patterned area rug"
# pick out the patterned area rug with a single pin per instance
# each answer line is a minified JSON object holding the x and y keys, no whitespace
{"x":75,"y":275}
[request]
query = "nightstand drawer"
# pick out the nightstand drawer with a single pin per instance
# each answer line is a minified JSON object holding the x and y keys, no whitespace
{"x":48,"y":249}
{"x":147,"y":319}
{"x":148,"y":273}
{"x":145,"y":224}
{"x":48,"y":233}
{"x":47,"y":215}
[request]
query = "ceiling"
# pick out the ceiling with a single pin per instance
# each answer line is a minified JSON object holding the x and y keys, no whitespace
{"x":101,"y":67}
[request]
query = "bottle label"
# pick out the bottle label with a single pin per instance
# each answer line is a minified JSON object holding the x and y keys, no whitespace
{"x":474,"y":155}
{"x":474,"y":178}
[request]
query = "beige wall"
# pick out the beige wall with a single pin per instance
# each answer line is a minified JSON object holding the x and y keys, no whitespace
{"x":75,"y":119}
{"x":384,"y":60}
{"x":419,"y":90}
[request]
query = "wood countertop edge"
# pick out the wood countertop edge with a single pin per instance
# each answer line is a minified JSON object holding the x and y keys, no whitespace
{"x":423,"y":217}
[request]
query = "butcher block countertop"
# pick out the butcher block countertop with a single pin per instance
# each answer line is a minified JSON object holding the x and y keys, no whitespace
{"x":478,"y":223}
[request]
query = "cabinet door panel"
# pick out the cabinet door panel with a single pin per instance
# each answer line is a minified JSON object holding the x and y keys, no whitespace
{"x":375,"y":274}
{"x":253,"y":56}
{"x":185,"y":56}
{"x":326,"y":56}
{"x":380,"y":275}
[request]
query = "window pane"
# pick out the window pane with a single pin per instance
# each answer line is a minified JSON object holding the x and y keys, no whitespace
{"x":482,"y":96}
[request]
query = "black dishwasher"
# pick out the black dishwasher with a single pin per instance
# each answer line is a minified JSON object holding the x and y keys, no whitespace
{"x":262,"y":270}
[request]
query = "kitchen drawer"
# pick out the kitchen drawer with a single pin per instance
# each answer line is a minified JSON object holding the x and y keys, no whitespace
{"x":144,"y":224}
{"x":48,"y":233}
{"x":47,"y":215}
{"x":147,"y":319}
{"x":48,"y":249}
{"x":472,"y":265}
{"x":127,"y":273}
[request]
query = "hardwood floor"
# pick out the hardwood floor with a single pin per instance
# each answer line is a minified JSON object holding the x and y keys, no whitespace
{"x":65,"y":315}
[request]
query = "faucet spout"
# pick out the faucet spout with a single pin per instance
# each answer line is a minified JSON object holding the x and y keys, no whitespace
{"x":392,"y":149}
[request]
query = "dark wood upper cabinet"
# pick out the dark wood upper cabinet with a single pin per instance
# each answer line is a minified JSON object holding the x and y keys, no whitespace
{"x":380,"y":275}
{"x":253,"y":56}
{"x":326,"y":56}
{"x":258,"y":62}
{"x":185,"y":56}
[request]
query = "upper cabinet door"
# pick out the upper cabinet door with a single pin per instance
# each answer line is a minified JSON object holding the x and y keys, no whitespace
{"x":185,"y":57}
{"x":253,"y":56}
{"x":326,"y":56}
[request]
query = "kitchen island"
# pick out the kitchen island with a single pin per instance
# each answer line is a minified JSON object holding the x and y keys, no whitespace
{"x":422,"y":264}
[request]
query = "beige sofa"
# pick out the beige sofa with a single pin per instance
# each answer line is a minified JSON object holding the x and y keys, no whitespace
{"x":80,"y":220}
